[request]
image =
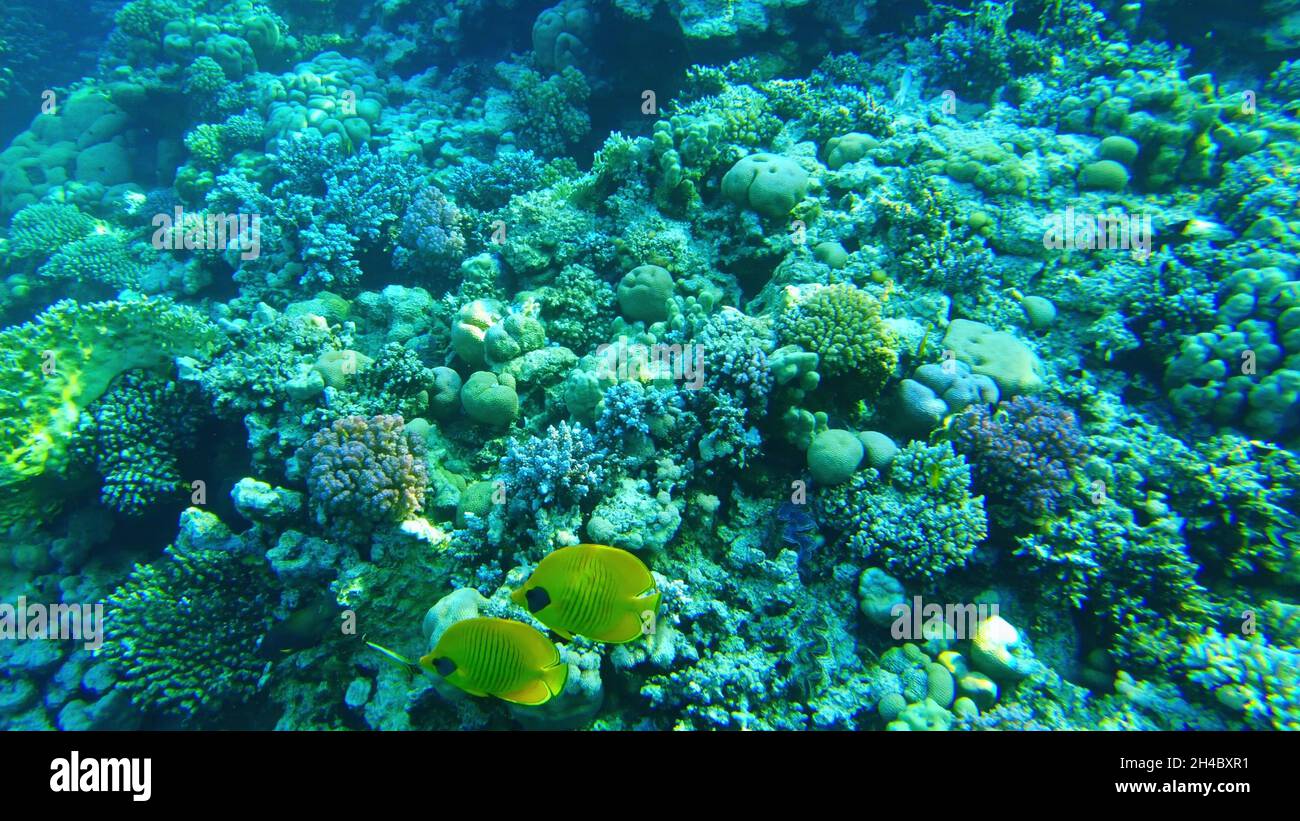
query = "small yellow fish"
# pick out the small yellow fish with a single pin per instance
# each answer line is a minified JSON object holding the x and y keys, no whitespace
{"x":499,"y":657}
{"x":936,"y":476}
{"x":603,"y":593}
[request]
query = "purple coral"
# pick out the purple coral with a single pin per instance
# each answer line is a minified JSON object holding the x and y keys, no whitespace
{"x":365,"y":472}
{"x":1022,"y":455}
{"x":431,"y":233}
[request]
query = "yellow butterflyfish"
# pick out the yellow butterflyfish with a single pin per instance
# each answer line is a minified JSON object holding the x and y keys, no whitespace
{"x":499,"y":657}
{"x":603,"y":593}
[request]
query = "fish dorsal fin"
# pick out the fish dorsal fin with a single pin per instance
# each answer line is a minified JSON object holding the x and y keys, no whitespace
{"x":629,"y":573}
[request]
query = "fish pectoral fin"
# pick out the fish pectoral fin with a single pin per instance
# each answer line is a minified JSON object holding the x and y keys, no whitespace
{"x":396,"y":658}
{"x":564,"y":634}
{"x":531,"y":694}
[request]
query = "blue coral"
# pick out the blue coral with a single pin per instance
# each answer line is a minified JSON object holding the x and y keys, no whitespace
{"x":431,"y":235}
{"x":921,"y":522}
{"x":489,"y":186}
{"x":562,"y":468}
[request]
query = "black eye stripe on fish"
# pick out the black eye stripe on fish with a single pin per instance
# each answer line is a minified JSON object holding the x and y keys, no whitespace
{"x":538,"y":598}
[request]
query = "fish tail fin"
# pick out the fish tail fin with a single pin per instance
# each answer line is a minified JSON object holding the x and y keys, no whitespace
{"x":555,"y":677}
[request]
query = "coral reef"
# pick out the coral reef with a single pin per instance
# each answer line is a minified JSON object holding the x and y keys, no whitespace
{"x":814,"y":308}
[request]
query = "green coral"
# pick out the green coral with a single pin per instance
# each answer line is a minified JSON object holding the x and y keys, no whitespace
{"x":1259,"y":483}
{"x":205,"y":77}
{"x":820,"y":108}
{"x":1137,"y":580}
{"x":738,"y":115}
{"x":211,"y":143}
{"x":146,"y":19}
{"x":1249,"y":676}
{"x":1246,"y":371}
{"x":183,"y":633}
{"x":133,"y":436}
{"x":41,"y":229}
{"x":920,"y":522}
{"x":842,"y":325}
{"x":931,"y":242}
{"x":104,"y":258}
{"x":62,"y":361}
{"x":204,"y":143}
{"x":551,"y":114}
{"x":577,"y":307}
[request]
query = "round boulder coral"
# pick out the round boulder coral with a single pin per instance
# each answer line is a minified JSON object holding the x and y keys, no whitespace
{"x":644,"y":293}
{"x":767,"y":183}
{"x":833,"y":456}
{"x":489,"y":398}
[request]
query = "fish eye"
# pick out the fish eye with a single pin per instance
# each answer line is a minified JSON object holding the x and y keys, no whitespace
{"x":444,"y":666}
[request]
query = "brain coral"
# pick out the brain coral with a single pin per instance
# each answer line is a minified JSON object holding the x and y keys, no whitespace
{"x":767,"y":183}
